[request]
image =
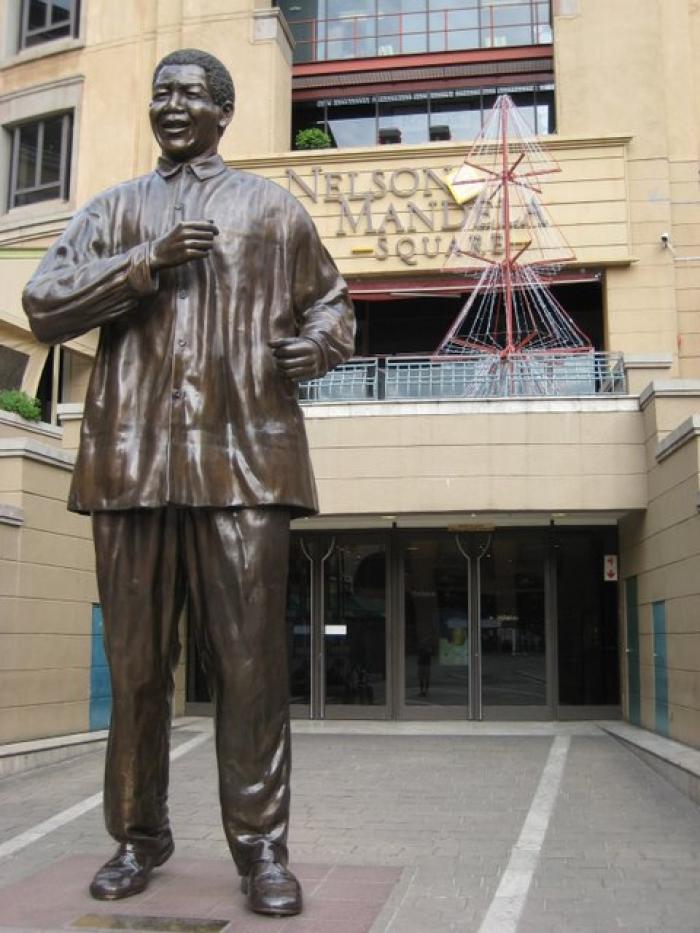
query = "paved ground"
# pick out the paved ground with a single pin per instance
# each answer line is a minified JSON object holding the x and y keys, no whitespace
{"x":529,"y":829}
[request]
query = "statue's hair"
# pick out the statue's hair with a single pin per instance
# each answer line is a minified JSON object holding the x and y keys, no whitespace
{"x":219,"y":80}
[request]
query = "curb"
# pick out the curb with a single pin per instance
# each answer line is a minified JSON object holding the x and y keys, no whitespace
{"x":679,"y":764}
{"x":24,"y":756}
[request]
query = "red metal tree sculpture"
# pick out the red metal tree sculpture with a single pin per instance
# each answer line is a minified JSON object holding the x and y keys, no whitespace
{"x":511,"y":242}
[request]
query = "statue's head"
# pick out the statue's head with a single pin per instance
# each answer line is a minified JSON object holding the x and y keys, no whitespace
{"x":192,"y":103}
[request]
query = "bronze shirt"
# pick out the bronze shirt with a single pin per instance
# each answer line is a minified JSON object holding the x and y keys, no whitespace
{"x":185,"y":403}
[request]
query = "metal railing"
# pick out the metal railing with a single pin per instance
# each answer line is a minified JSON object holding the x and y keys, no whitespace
{"x":405,"y":378}
{"x":351,"y":382}
{"x":435,"y":28}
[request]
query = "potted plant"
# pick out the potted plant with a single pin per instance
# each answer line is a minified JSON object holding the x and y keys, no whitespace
{"x":312,"y":138}
{"x":20,"y":403}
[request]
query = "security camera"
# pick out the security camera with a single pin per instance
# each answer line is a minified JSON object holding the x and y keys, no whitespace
{"x":665,"y":239}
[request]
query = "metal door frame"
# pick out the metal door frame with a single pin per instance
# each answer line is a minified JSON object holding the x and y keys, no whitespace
{"x":324,"y":545}
{"x":473,"y":546}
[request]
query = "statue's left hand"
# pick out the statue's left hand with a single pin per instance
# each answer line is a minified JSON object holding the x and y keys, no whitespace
{"x":297,"y":357}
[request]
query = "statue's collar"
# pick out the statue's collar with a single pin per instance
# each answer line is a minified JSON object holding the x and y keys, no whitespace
{"x":200,"y":168}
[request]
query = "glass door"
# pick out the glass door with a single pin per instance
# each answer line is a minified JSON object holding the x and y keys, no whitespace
{"x":337,"y":625}
{"x":436,"y":637}
{"x":355,"y":629}
{"x":299,"y":625}
{"x":513,"y":627}
{"x":421,"y":625}
{"x":475,"y":626}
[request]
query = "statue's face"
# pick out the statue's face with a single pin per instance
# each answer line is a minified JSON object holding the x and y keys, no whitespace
{"x":185,"y":120}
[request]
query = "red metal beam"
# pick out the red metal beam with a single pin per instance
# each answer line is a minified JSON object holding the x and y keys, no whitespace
{"x":424,"y":60}
{"x":437,"y":84}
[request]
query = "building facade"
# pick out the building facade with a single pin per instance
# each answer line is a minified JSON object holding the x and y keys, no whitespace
{"x":484,"y":550}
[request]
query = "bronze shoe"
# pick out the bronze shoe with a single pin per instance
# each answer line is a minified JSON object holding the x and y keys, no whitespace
{"x":272,"y":889}
{"x":128,"y":872}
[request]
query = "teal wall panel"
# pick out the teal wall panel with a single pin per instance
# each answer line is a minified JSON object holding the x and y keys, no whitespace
{"x":100,"y":683}
{"x":660,"y":667}
{"x":633,"y":678}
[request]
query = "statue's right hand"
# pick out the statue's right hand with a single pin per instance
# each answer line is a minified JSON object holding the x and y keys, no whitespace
{"x":190,"y":239}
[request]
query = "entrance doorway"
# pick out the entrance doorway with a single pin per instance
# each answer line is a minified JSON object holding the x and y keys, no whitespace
{"x":338,"y":606}
{"x":433,"y":624}
{"x":478,"y":626}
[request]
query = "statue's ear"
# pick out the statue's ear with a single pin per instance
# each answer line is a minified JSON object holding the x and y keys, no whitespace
{"x":226,"y":115}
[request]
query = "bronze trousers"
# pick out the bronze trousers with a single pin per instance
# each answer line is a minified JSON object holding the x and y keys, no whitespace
{"x":233,"y":565}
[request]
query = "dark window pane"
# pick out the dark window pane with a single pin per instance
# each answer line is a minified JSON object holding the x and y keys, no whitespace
{"x":60,"y":11}
{"x":302,"y":17}
{"x":51,"y":155}
{"x":459,"y":110}
{"x":352,"y":122}
{"x":28,"y":155}
{"x":47,"y":20}
{"x":47,"y":35}
{"x":406,"y":113}
{"x":525,"y":102}
{"x":545,"y":111}
{"x":456,"y":114}
{"x":12,"y":366}
{"x":38,"y":14}
{"x":41,"y":162}
{"x":33,"y":197}
{"x":307,"y":115}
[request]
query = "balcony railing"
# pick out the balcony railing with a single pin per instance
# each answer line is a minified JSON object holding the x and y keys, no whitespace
{"x":382,"y":27}
{"x":406,"y":378}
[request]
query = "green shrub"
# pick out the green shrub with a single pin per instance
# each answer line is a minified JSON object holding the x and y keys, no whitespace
{"x":20,"y":403}
{"x":312,"y":139}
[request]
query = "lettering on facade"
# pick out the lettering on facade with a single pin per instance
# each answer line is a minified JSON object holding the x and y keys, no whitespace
{"x":419,"y":219}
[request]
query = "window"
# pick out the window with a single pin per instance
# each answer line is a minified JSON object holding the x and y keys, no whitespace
{"x":13,"y":363}
{"x":420,"y":116}
{"x":46,"y":20}
{"x":40,"y":161}
{"x":328,"y":30}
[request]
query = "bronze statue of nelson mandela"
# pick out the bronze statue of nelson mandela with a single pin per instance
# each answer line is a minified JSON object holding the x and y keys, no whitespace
{"x":213,"y":295}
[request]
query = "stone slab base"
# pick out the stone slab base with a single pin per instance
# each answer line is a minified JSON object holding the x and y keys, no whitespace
{"x":193,"y":895}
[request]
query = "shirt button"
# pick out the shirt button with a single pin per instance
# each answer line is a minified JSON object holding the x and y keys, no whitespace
{"x":176,"y":393}
{"x":182,"y":293}
{"x":181,"y":342}
{"x":179,"y":206}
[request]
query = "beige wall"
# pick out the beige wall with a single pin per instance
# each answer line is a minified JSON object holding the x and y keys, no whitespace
{"x":47,"y":590}
{"x":441,"y":457}
{"x":46,"y":597}
{"x":661,"y":547}
{"x":126,"y":39}
{"x":632,"y":67}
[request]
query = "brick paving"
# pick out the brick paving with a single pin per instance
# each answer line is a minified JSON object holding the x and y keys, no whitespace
{"x":400,"y":832}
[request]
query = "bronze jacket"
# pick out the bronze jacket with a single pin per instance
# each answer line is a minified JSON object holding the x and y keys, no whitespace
{"x":185,"y":404}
